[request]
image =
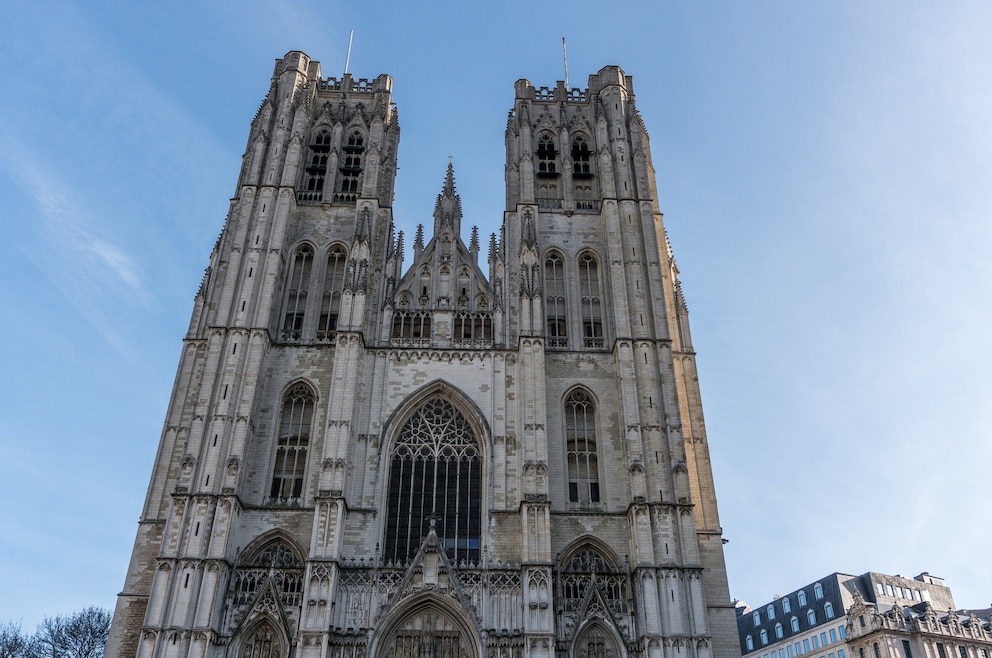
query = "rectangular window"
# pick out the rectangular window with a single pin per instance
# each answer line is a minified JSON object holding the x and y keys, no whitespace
{"x":806,"y":646}
{"x":823,"y":639}
{"x":843,"y":632}
{"x":816,"y":642}
{"x":791,"y":655}
{"x":963,"y":651}
{"x":888,"y":588}
{"x":940,"y":650}
{"x":833,"y":634}
{"x":899,"y":592}
{"x":840,"y":653}
{"x":907,"y":652}
{"x":881,"y":589}
{"x":799,"y":649}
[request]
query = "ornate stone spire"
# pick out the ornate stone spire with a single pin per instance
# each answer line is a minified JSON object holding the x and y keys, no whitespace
{"x":448,"y":209}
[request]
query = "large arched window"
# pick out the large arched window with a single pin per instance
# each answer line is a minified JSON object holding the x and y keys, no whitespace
{"x":580,"y":446}
{"x":296,"y":293}
{"x":429,"y":632}
{"x":554,"y":291}
{"x":294,"y":440}
{"x":589,"y":296}
{"x":330,"y":302}
{"x":435,"y":474}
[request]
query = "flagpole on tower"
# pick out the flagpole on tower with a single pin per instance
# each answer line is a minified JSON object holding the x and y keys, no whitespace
{"x":347,"y":60}
{"x":564,"y":55}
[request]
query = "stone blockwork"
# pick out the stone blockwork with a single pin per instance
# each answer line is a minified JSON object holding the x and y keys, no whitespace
{"x":367,"y":459}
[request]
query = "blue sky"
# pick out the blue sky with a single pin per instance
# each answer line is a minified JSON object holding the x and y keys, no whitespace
{"x":825,"y":170}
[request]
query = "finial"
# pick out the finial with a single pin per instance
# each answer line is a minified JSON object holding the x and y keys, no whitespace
{"x":473,"y":244}
{"x":418,"y":239}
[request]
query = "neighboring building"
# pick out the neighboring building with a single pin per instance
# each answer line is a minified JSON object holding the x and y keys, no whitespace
{"x":917,"y":631}
{"x":813,"y":619}
{"x":363,"y":459}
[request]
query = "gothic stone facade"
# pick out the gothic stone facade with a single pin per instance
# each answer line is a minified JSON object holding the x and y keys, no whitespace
{"x":363,"y":459}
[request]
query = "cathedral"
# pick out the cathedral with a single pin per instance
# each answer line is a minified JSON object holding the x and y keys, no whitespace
{"x":371,"y":458}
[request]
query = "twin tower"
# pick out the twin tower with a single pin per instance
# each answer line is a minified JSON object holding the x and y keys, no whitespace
{"x":366,"y":458}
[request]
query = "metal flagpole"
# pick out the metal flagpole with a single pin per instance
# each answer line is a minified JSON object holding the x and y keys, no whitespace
{"x":347,"y":60}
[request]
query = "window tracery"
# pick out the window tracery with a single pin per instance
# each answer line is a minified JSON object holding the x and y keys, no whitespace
{"x":586,"y":567}
{"x":351,"y":168}
{"x":330,"y":303}
{"x":296,"y":294}
{"x":589,"y":297}
{"x":263,"y":642}
{"x":546,"y":153}
{"x":555,"y":314}
{"x":435,"y":473}
{"x":580,"y":446}
{"x":316,"y":168}
{"x":294,"y":439}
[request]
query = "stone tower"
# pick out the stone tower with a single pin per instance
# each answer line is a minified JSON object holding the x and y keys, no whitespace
{"x":363,"y":459}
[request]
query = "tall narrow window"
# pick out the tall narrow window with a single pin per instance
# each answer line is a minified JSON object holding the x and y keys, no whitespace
{"x":786,"y":605}
{"x":350,"y":169}
{"x":294,"y":439}
{"x":828,"y":610}
{"x":580,"y":445}
{"x":330,"y":302}
{"x":296,"y":293}
{"x":770,"y":611}
{"x":589,"y":296}
{"x":801,"y":595}
{"x":811,"y":617}
{"x":778,"y":631}
{"x":435,"y":474}
{"x":546,"y":153}
{"x":554,"y":290}
{"x":316,"y":167}
{"x":794,"y":622}
{"x":764,"y":637}
{"x":818,"y":591}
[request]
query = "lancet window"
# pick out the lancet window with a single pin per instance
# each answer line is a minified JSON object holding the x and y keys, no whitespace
{"x":591,"y":301}
{"x":330,"y":302}
{"x":580,"y":158}
{"x":580,"y":446}
{"x":316,"y":167}
{"x":350,"y":169}
{"x":296,"y":293}
{"x":554,"y":310}
{"x":546,"y":152}
{"x":435,"y":478}
{"x":295,"y":426}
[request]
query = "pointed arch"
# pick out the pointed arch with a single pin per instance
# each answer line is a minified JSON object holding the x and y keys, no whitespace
{"x":435,"y":456}
{"x":597,"y":637}
{"x":587,"y":571}
{"x":431,"y":621}
{"x":315,"y":169}
{"x":555,"y":311}
{"x":297,"y":290}
{"x":330,"y":300}
{"x":350,"y":168}
{"x":581,"y":448}
{"x":590,"y":299}
{"x":263,"y":636}
{"x":293,"y":442}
